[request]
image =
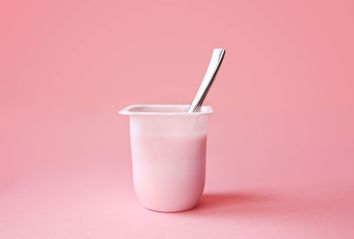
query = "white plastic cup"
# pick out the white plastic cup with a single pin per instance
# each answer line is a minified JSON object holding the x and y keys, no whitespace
{"x":168,"y":149}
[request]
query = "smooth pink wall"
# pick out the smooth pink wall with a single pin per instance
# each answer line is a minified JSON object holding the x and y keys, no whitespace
{"x":283,"y":100}
{"x":281,"y":142}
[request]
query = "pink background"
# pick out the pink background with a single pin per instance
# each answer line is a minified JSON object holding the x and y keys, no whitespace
{"x":281,"y":141}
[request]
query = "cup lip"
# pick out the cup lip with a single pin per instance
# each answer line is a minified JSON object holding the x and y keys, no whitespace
{"x":129,"y":110}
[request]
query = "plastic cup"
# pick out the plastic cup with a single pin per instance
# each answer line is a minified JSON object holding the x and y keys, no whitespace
{"x":168,"y":150}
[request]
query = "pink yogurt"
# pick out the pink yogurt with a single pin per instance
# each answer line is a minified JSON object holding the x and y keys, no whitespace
{"x":168,"y":148}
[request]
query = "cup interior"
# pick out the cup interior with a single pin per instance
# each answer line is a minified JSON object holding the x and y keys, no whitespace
{"x":163,"y":110}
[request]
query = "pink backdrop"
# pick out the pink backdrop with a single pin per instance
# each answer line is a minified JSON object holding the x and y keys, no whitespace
{"x":281,"y":141}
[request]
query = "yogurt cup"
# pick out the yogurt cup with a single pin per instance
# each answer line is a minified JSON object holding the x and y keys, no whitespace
{"x":168,"y":151}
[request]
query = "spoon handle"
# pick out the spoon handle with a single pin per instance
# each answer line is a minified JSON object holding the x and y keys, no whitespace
{"x":214,"y":64}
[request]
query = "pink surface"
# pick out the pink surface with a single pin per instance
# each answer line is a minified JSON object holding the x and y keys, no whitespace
{"x":280,"y":145}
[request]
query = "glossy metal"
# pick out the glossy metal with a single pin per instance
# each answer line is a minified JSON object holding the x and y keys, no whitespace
{"x":214,"y":64}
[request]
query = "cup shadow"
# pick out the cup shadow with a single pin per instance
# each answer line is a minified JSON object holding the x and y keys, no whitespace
{"x":262,"y":204}
{"x":233,"y":203}
{"x":215,"y":200}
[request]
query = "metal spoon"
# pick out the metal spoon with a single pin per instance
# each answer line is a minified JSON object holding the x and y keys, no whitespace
{"x":214,"y":64}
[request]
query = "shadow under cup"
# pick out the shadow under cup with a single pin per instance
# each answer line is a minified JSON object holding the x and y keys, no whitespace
{"x":168,"y":149}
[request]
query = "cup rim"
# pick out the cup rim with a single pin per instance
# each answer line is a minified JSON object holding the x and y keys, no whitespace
{"x":132,"y":110}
